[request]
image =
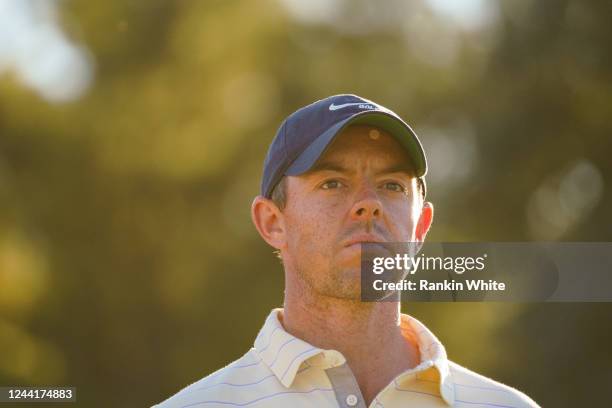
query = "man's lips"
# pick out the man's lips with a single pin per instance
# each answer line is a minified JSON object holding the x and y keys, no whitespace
{"x":364,"y":239}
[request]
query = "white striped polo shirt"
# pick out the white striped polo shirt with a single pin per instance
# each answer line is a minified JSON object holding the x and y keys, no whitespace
{"x":284,"y":371}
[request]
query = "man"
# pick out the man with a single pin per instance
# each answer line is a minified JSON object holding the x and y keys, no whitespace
{"x":341,"y":172}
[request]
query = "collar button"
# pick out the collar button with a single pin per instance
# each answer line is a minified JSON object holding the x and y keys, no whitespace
{"x":351,"y":400}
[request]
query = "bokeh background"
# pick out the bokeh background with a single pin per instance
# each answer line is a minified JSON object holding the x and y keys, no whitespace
{"x":132,"y":135}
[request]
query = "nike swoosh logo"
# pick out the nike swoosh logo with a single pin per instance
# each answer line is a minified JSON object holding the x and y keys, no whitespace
{"x":333,"y":107}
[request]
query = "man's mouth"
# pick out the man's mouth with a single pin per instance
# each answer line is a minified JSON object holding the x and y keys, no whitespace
{"x":364,"y":239}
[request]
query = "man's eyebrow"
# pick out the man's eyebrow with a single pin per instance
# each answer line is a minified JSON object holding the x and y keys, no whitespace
{"x":399,"y":168}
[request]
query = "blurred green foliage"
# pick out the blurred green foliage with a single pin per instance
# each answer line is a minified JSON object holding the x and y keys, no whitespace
{"x":128,"y":263}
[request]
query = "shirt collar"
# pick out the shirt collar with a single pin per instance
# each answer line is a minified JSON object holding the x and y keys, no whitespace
{"x":432,"y":353}
{"x":284,"y":354}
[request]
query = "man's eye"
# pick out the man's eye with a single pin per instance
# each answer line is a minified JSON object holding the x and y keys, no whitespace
{"x":395,"y":187}
{"x":328,"y":185}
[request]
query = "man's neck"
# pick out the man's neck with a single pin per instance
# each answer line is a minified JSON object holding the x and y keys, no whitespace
{"x":368,"y":335}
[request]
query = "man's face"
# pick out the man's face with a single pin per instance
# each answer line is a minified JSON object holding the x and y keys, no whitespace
{"x":360,"y":190}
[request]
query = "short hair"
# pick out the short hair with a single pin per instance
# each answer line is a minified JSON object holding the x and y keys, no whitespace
{"x":279,"y":192}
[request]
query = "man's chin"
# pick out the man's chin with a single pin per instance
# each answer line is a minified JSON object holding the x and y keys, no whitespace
{"x":345,"y":283}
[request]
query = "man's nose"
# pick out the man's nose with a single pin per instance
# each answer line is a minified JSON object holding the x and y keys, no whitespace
{"x":367,"y":206}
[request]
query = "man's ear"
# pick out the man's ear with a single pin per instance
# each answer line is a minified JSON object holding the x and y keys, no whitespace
{"x":269,"y":221}
{"x":425,"y":220}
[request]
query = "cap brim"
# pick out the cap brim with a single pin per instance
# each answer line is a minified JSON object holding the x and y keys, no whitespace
{"x":387,"y":122}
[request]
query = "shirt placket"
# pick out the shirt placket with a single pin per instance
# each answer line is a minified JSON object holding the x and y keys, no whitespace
{"x":346,"y":389}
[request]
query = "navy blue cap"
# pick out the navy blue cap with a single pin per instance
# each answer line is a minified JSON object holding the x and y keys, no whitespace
{"x":305,"y":134}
